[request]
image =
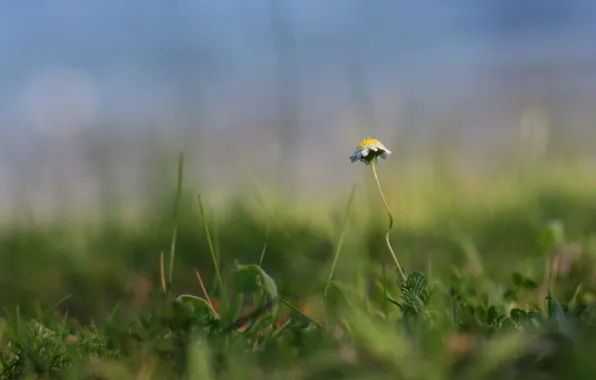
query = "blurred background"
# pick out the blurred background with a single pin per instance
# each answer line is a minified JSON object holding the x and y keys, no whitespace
{"x":280,"y":91}
{"x":97,"y":99}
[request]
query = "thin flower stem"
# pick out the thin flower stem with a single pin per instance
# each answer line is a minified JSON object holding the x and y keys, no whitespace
{"x":374,"y":170}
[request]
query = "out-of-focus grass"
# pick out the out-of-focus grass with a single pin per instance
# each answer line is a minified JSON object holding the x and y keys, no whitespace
{"x":467,"y":236}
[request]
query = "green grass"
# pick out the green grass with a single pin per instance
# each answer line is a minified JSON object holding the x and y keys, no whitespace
{"x":501,"y":284}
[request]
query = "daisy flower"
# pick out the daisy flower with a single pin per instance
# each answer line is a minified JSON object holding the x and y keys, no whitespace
{"x":368,"y":150}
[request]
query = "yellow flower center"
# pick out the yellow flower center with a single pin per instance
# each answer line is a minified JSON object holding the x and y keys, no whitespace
{"x":368,"y":142}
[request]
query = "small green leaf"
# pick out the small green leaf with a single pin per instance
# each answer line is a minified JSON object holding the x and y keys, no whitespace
{"x":492,"y":315}
{"x":528,"y":283}
{"x":417,"y":283}
{"x":518,"y":315}
{"x":416,"y":295}
{"x":510,"y":295}
{"x":245,"y":280}
{"x":522,"y":281}
{"x":480,"y":312}
{"x":200,"y":305}
{"x":552,"y":236}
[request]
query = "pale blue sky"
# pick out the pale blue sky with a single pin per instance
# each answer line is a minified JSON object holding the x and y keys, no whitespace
{"x":144,"y":56}
{"x":127,"y":67}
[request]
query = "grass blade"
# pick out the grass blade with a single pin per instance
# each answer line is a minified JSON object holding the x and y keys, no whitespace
{"x":341,"y":238}
{"x":224,"y":304}
{"x":176,"y":215}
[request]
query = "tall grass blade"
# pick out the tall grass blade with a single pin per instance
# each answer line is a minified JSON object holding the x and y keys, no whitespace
{"x":347,"y":213}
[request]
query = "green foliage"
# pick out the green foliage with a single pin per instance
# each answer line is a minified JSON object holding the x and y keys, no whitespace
{"x":524,"y":282}
{"x":416,"y":296}
{"x":552,"y":236}
{"x":247,"y":278}
{"x":477,"y":302}
{"x":198,"y":305}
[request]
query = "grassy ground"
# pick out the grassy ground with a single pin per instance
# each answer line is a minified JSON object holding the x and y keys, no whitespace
{"x":500,"y":284}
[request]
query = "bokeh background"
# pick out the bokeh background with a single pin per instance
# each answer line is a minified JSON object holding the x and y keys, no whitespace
{"x":485,"y":104}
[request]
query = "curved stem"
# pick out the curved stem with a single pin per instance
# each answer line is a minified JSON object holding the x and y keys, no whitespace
{"x":374,"y":170}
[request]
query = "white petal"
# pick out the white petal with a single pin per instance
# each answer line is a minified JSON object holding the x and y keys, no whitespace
{"x":364,"y":152}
